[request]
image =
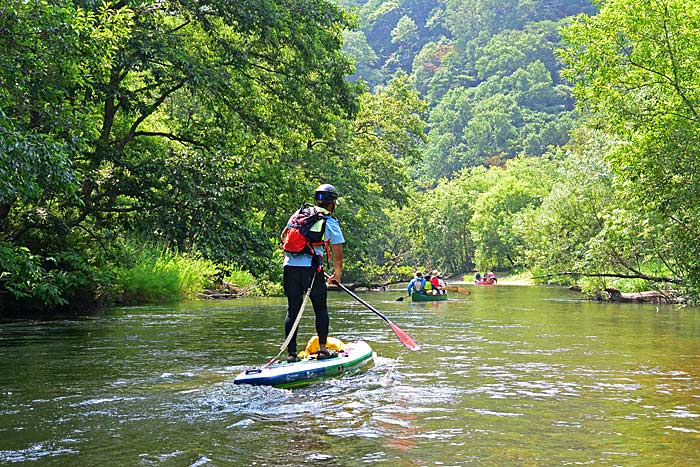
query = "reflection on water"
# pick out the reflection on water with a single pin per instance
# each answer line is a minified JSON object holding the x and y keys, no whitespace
{"x":507,"y":376}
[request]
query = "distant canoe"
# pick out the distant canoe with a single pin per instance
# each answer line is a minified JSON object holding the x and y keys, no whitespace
{"x":485,"y":282}
{"x":429,"y":297}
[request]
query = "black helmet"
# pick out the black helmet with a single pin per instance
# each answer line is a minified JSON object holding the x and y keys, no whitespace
{"x":326,"y":192}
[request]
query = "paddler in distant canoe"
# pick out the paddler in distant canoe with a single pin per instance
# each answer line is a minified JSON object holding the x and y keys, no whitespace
{"x":437,"y":283}
{"x":417,"y":284}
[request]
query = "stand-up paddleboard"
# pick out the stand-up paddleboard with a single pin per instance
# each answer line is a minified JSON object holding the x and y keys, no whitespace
{"x":283,"y":375}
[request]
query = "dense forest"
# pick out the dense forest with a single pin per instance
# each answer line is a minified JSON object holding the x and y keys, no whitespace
{"x":151,"y":149}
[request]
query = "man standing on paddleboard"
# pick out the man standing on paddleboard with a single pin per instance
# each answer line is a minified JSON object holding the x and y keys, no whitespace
{"x":303,"y":269}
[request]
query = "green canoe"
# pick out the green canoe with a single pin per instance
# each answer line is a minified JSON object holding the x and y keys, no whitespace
{"x":429,"y":297}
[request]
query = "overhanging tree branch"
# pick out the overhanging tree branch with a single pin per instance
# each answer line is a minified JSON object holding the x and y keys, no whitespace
{"x":615,"y":275}
{"x":170,"y":136}
{"x":149,"y":111}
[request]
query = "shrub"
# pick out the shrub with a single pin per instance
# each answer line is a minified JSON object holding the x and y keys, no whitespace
{"x":49,"y":280}
{"x":250,"y":285}
{"x":164,"y":275}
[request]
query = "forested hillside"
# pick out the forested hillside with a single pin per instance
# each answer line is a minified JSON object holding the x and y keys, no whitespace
{"x":487,"y":68}
{"x":151,"y":149}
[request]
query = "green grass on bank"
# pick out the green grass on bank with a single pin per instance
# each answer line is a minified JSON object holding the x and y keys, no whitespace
{"x":149,"y":274}
{"x":523,"y":278}
{"x":157,"y":275}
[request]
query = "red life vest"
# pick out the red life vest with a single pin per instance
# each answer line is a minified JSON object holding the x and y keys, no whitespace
{"x":300,"y":236}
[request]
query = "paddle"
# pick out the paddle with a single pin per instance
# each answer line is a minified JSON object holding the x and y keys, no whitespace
{"x":294,"y":326}
{"x":454,"y":288}
{"x":405,"y":339}
{"x":400,"y":299}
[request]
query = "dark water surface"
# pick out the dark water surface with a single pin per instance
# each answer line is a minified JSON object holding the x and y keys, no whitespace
{"x":509,"y":376}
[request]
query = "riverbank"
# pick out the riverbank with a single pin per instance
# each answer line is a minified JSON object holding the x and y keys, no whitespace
{"x":609,"y":294}
{"x":516,"y":279}
{"x":512,"y":279}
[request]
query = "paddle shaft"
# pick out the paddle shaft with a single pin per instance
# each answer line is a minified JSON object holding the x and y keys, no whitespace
{"x":401,"y":299}
{"x":405,"y":339}
{"x":370,"y":307}
{"x":301,"y":310}
{"x":295,"y":325}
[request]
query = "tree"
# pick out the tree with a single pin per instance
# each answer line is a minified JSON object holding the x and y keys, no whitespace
{"x":167,"y":119}
{"x":355,"y":44}
{"x":557,"y":234}
{"x":635,"y":67}
{"x":448,"y":239}
{"x":50,"y":55}
{"x":367,"y":161}
{"x":518,"y":188}
{"x":428,"y":62}
{"x":405,"y":32}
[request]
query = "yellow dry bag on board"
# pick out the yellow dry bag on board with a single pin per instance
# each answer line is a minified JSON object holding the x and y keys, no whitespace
{"x":331,"y":344}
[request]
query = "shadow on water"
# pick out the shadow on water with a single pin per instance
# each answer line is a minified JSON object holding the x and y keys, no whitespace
{"x":507,"y":376}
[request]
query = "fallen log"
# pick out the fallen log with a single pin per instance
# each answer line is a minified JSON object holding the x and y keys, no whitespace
{"x":224,"y":291}
{"x":650,"y":296}
{"x":212,"y":295}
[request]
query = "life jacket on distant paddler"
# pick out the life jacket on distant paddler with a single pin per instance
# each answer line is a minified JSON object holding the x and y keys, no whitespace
{"x":305,"y":230}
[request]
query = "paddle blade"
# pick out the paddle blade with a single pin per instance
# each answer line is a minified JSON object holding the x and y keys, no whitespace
{"x":405,"y":339}
{"x":400,"y":299}
{"x":454,"y":288}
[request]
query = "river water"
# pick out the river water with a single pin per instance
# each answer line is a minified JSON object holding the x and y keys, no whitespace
{"x":508,"y":376}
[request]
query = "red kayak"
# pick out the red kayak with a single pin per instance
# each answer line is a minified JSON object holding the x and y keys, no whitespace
{"x":485,"y":282}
